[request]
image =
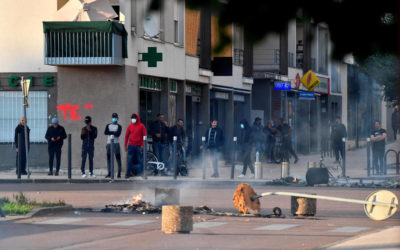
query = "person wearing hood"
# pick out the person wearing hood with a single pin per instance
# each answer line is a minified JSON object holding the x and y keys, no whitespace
{"x":245,"y":147}
{"x":113,"y":131}
{"x":20,"y":149}
{"x":55,"y":135}
{"x":134,"y":145}
{"x":88,"y":135}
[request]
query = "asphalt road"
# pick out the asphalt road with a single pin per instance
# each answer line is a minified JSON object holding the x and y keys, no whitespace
{"x":334,"y":222}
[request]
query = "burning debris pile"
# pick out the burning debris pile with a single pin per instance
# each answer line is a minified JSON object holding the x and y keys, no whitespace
{"x":136,"y":206}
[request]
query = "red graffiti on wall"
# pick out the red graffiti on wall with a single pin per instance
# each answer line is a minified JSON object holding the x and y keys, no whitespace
{"x":72,"y":110}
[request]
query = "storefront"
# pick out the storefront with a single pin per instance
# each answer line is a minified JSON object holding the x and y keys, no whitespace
{"x":42,"y":106}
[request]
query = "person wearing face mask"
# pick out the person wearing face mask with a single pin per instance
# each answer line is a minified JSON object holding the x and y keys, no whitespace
{"x":245,"y":146}
{"x":134,"y":145}
{"x":88,"y":135}
{"x":113,"y":131}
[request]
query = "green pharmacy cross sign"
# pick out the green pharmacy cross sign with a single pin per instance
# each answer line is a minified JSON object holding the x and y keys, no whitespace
{"x":151,"y":57}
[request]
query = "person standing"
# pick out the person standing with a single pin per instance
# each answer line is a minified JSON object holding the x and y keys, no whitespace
{"x":179,"y":131}
{"x":395,"y":121}
{"x":214,"y":142}
{"x":113,"y":131}
{"x":271,"y":139}
{"x":134,"y":145}
{"x":55,"y":136}
{"x":159,"y":133}
{"x":20,"y":149}
{"x":245,"y":148}
{"x":337,"y":134}
{"x":88,"y":135}
{"x":378,"y":137}
{"x":286,"y":133}
{"x":258,"y":136}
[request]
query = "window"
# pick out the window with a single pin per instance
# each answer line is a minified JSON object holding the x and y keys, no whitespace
{"x":11,"y":110}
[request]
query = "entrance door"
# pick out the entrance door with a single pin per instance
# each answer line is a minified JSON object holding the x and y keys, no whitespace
{"x":192,"y":125}
{"x":149,"y":106}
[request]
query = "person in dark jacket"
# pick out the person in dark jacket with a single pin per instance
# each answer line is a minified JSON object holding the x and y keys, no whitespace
{"x":88,"y":135}
{"x":245,"y":148}
{"x":286,"y":132}
{"x":258,"y":136}
{"x":214,"y":142}
{"x":337,"y":135}
{"x":20,"y":149}
{"x":113,"y":131}
{"x":395,"y":121}
{"x":179,"y":131}
{"x":55,"y":135}
{"x":271,"y":139}
{"x":159,"y":133}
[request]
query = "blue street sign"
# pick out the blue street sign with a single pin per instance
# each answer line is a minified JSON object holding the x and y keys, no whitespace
{"x":306,"y":95}
{"x":282,"y":86}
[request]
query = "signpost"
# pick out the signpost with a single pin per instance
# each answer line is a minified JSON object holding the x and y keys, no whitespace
{"x":151,"y":57}
{"x":310,"y":80}
{"x":297,"y":81}
{"x":282,"y":86}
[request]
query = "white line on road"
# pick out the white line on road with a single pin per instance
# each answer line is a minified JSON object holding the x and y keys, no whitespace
{"x":208,"y":224}
{"x":131,"y":223}
{"x":277,"y":227}
{"x":60,"y":221}
{"x":349,"y":229}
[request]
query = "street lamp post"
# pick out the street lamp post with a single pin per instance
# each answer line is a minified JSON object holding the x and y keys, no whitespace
{"x":25,"y":91}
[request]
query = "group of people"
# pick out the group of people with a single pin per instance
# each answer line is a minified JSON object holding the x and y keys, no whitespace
{"x":252,"y":138}
{"x":257,"y":137}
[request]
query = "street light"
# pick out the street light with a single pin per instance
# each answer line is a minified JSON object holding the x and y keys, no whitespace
{"x":25,"y":91}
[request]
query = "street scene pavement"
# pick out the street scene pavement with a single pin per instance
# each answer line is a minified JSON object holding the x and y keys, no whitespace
{"x":336,"y":225}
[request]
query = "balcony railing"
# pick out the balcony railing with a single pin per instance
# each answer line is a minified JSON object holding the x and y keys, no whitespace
{"x":266,"y":59}
{"x":83,"y":43}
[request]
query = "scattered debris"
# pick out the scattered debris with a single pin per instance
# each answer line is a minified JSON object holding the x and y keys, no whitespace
{"x":209,"y":211}
{"x":137,"y":205}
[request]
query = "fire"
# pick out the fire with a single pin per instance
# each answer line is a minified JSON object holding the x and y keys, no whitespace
{"x":137,"y":198}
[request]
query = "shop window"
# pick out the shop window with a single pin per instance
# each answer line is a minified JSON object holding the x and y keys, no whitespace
{"x":11,"y":111}
{"x":173,"y":86}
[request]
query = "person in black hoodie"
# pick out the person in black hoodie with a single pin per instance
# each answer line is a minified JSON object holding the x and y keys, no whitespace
{"x":55,"y":135}
{"x":20,"y":149}
{"x":246,"y":147}
{"x":159,"y":133}
{"x":337,"y":135}
{"x":214,"y":142}
{"x":88,"y":135}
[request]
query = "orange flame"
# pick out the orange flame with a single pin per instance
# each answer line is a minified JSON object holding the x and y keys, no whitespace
{"x":137,"y":198}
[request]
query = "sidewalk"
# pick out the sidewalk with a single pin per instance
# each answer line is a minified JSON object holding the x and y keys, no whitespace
{"x":356,"y":168}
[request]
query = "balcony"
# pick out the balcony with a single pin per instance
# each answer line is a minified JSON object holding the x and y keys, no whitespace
{"x":84,"y":43}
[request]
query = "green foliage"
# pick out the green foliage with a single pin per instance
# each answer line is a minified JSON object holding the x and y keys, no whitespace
{"x":22,"y":205}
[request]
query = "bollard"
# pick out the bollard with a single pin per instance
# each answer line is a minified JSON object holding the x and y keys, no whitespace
{"x":368,"y":156}
{"x":397,"y":162}
{"x":344,"y":157}
{"x":233,"y":157}
{"x":303,"y":206}
{"x":19,"y":157}
{"x":175,"y":138}
{"x":112,"y":157}
{"x":258,"y":171}
{"x":177,"y":219}
{"x":69,"y":158}
{"x":203,"y":155}
{"x":285,"y":169}
{"x":144,"y":156}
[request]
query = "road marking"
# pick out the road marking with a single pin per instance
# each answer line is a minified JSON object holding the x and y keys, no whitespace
{"x":277,"y":227}
{"x":131,"y":222}
{"x":349,"y":229}
{"x":60,"y":221}
{"x":208,"y":224}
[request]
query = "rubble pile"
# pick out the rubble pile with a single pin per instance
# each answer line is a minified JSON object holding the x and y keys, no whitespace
{"x":136,"y":205}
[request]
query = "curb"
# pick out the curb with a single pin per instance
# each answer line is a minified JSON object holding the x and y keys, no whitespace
{"x":48,"y":210}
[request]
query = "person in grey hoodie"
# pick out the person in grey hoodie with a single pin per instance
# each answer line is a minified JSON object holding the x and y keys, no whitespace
{"x":113,"y":131}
